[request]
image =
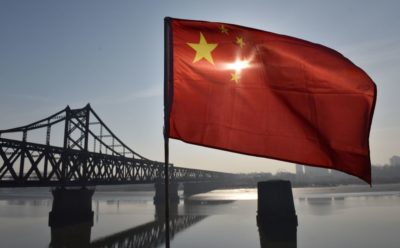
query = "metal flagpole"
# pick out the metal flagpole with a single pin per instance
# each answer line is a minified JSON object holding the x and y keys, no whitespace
{"x":167,"y":97}
{"x":166,"y":183}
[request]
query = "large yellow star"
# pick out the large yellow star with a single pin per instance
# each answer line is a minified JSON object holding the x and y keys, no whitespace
{"x":203,"y":49}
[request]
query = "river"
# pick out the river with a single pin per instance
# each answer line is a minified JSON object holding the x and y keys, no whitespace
{"x":345,"y":216}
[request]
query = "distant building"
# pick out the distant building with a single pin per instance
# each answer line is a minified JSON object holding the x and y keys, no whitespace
{"x":395,"y":161}
{"x":315,"y":172}
{"x":309,"y":174}
{"x":299,"y":172}
{"x":286,"y":176}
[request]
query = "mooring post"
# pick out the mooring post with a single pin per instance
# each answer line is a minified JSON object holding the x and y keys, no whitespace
{"x":276,"y":214}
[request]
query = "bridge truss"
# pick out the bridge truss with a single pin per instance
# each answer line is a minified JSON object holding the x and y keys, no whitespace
{"x":89,"y":154}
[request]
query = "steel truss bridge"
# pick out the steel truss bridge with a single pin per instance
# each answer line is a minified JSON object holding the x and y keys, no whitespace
{"x":87,"y":153}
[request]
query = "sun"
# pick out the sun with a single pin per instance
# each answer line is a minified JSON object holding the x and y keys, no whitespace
{"x":238,"y":65}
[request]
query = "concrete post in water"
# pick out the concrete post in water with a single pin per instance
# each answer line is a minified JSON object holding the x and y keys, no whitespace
{"x":276,"y":215}
{"x":71,"y":217}
{"x":159,"y":200}
{"x":159,"y":197}
{"x":71,"y":206}
{"x":275,"y":203}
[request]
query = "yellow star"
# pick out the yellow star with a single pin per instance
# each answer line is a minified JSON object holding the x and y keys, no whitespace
{"x":203,"y":49}
{"x":240,"y":41}
{"x":235,"y":77}
{"x":224,"y":30}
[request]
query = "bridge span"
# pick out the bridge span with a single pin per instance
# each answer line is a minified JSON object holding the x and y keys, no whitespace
{"x":87,"y":153}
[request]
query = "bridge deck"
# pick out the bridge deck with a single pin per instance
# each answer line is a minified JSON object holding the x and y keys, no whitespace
{"x":24,"y":164}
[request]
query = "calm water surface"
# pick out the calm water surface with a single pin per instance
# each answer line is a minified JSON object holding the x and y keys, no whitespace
{"x":348,"y":216}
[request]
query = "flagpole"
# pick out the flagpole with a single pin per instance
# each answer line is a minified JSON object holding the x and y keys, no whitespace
{"x":166,"y":183}
{"x":167,"y":97}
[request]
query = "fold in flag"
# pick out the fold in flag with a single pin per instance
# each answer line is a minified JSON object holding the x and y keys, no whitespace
{"x":263,"y":94}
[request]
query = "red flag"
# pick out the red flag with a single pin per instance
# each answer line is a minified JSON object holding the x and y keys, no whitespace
{"x":258,"y":93}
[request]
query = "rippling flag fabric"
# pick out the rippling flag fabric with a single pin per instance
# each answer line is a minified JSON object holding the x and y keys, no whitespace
{"x":264,"y":94}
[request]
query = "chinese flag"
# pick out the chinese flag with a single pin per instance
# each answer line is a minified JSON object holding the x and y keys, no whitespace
{"x":263,"y":94}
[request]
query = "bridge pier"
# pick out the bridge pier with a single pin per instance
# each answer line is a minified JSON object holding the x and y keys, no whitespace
{"x":71,"y":206}
{"x":159,"y":198}
{"x":71,"y":217}
{"x":276,"y":214}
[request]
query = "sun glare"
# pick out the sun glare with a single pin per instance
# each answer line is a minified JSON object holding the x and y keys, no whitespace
{"x":238,"y":65}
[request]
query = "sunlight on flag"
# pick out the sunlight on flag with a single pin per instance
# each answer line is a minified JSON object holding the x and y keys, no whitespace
{"x":238,"y":65}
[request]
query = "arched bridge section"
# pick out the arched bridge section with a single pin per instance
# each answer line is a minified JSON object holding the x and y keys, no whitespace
{"x":86,"y":153}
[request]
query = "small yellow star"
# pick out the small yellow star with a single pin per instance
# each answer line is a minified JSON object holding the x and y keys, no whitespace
{"x":235,"y":77}
{"x":224,"y":30}
{"x":203,"y":49}
{"x":240,"y":41}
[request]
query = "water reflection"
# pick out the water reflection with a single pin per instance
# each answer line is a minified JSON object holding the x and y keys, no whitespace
{"x":189,"y":202}
{"x":150,"y":234}
{"x":338,"y":198}
{"x":73,"y":235}
{"x":30,"y":202}
{"x":278,"y":236}
{"x":277,"y":233}
{"x":320,"y":201}
{"x":320,"y":205}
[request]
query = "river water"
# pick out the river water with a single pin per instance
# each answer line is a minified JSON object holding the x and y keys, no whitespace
{"x":346,"y":216}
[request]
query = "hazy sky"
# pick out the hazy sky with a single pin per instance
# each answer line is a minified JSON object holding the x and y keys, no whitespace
{"x":110,"y":54}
